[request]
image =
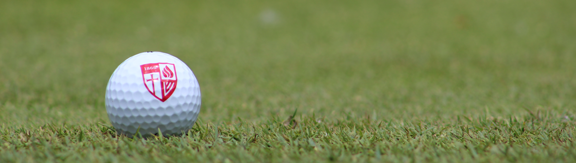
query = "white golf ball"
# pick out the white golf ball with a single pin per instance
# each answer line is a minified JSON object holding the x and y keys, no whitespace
{"x":153,"y":91}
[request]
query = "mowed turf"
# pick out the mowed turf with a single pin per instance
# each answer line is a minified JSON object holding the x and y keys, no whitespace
{"x":372,"y":81}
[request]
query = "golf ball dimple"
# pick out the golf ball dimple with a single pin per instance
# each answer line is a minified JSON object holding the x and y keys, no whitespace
{"x":153,"y":91}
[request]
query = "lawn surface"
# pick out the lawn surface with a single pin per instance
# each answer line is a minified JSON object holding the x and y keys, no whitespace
{"x":372,"y":81}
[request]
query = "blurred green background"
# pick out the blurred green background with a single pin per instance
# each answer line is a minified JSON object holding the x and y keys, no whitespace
{"x":255,"y":60}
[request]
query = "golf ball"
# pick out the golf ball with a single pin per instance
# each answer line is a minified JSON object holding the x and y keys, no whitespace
{"x":152,"y":91}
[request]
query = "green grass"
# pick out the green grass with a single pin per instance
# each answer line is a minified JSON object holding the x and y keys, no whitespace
{"x":381,"y":81}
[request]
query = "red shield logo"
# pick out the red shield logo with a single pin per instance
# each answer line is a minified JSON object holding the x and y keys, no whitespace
{"x":160,"y":79}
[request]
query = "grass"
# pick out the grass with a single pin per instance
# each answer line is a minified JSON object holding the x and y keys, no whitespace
{"x":378,"y":81}
{"x":313,"y":140}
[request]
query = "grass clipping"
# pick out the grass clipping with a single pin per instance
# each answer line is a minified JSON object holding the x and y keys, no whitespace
{"x":291,"y":121}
